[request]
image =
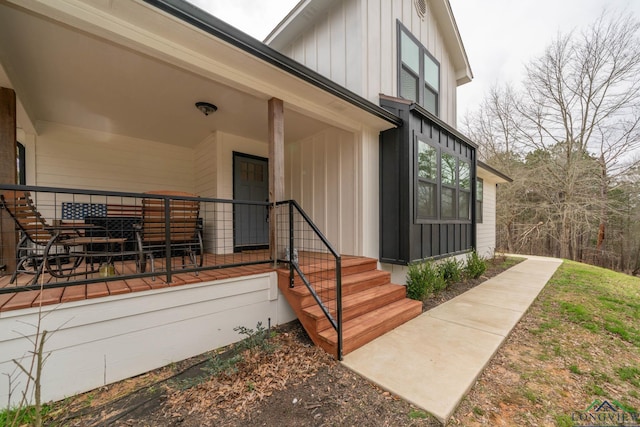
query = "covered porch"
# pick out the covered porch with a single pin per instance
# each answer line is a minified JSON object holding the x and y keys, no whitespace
{"x":98,"y":109}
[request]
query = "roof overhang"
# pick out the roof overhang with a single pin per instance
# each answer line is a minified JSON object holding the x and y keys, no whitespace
{"x":136,"y":68}
{"x":488,"y":172}
{"x":452,"y":40}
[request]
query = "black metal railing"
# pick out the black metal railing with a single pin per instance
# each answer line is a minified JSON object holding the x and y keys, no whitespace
{"x":76,"y":237}
{"x":313,"y":262}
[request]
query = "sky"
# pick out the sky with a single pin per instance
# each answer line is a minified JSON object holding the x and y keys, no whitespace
{"x":500,"y":36}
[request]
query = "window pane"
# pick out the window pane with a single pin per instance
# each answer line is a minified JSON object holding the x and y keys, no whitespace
{"x":448,"y":169}
{"x":408,"y":85}
{"x":479,"y":190}
{"x":479,"y":211}
{"x":430,"y":101}
{"x":410,"y":52}
{"x":447,"y":208}
{"x":465,"y":176}
{"x":431,"y":73}
{"x":426,"y":200}
{"x":427,"y":161}
{"x":464,"y":211}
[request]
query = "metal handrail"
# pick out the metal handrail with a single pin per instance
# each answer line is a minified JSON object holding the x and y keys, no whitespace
{"x":294,"y":267}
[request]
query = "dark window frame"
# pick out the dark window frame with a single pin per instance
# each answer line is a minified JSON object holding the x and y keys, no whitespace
{"x":423,"y":85}
{"x":435,"y":182}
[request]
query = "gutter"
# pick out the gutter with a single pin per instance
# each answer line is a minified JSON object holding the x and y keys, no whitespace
{"x":220,"y":29}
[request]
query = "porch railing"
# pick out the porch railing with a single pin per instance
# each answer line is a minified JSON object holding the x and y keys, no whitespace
{"x":312,"y":261}
{"x":96,"y":214}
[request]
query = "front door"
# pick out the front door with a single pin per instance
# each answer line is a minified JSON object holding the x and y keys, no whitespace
{"x":250,"y":183}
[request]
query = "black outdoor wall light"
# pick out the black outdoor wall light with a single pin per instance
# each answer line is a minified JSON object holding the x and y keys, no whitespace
{"x":206,"y":108}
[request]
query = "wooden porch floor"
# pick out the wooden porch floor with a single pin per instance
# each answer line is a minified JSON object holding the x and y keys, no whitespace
{"x":20,"y":300}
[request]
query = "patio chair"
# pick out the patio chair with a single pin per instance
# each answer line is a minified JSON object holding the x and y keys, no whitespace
{"x":43,"y":247}
{"x":185,"y":230}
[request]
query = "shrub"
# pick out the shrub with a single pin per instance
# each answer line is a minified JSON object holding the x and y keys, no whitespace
{"x":451,"y":270}
{"x":476,"y":265}
{"x":423,"y":278}
{"x":416,"y":285}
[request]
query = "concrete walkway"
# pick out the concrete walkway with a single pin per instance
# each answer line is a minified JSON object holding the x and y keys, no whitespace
{"x":433,"y":360}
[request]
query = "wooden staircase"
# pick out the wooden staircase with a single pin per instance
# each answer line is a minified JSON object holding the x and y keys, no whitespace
{"x":371,"y":304}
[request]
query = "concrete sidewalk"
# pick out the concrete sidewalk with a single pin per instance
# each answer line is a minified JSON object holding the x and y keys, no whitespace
{"x":433,"y":360}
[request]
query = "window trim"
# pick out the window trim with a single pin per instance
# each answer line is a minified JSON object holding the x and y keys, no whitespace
{"x":423,"y":85}
{"x":21,"y":159}
{"x":479,"y":201}
{"x":418,"y":179}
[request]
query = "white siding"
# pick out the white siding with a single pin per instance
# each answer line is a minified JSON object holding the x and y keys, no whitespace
{"x":486,"y":232}
{"x":104,"y":340}
{"x":355,"y":44}
{"x":321,"y":173}
{"x":81,"y":158}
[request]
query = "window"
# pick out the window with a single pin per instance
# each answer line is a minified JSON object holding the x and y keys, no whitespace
{"x":427,"y":180}
{"x":479,"y":199}
{"x":464,"y":194}
{"x":418,"y":72}
{"x":21,"y":162}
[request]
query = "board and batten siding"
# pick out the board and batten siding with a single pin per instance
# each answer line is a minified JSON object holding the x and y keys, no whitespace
{"x":354,"y":43}
{"x":321,"y":173}
{"x":486,"y":231}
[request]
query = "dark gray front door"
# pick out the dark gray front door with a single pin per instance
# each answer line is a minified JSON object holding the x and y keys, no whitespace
{"x":250,"y":182}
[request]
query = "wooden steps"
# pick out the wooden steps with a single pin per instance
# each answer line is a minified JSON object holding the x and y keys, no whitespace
{"x":371,"y":304}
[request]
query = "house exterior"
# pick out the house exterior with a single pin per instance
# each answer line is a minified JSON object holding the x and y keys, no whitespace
{"x":104,"y":99}
{"x":408,"y":57}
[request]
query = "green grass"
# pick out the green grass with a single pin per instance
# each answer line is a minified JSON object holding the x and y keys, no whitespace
{"x":599,"y":300}
{"x":416,"y":414}
{"x":583,"y":330}
{"x":21,"y":417}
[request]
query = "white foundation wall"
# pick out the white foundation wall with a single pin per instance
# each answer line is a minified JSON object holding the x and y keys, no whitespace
{"x":96,"y":342}
{"x":486,"y":231}
{"x":322,"y":173}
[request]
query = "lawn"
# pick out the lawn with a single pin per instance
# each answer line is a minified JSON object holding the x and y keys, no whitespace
{"x":578,"y":344}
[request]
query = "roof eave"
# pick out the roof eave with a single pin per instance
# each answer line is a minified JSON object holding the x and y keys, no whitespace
{"x":229,"y":34}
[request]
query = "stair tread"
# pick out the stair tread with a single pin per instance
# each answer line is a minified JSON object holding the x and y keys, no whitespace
{"x":355,"y":299}
{"x":369,"y":321}
{"x":329,"y":266}
{"x":346,"y":281}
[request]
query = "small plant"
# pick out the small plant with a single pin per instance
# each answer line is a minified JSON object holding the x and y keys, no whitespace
{"x":257,"y":339}
{"x":417,"y":286}
{"x":451,"y":270}
{"x":423,"y":279}
{"x":478,"y":411}
{"x":564,"y":421}
{"x":475,"y":266}
{"x":574,"y":369}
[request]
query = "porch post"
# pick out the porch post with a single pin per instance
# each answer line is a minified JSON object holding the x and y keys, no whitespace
{"x":8,"y":174}
{"x":276,"y":167}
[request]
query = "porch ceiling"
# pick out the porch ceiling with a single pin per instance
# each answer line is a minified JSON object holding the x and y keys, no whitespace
{"x":63,"y":75}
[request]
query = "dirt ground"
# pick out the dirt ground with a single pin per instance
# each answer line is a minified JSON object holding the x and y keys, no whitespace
{"x":282,"y":380}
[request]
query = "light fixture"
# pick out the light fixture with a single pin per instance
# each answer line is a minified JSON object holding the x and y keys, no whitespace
{"x":206,"y":108}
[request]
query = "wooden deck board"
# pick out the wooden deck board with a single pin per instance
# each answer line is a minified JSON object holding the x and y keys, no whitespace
{"x":14,"y":301}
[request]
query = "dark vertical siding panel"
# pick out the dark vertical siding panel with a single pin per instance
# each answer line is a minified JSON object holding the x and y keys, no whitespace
{"x":451,"y":238}
{"x":426,"y":241}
